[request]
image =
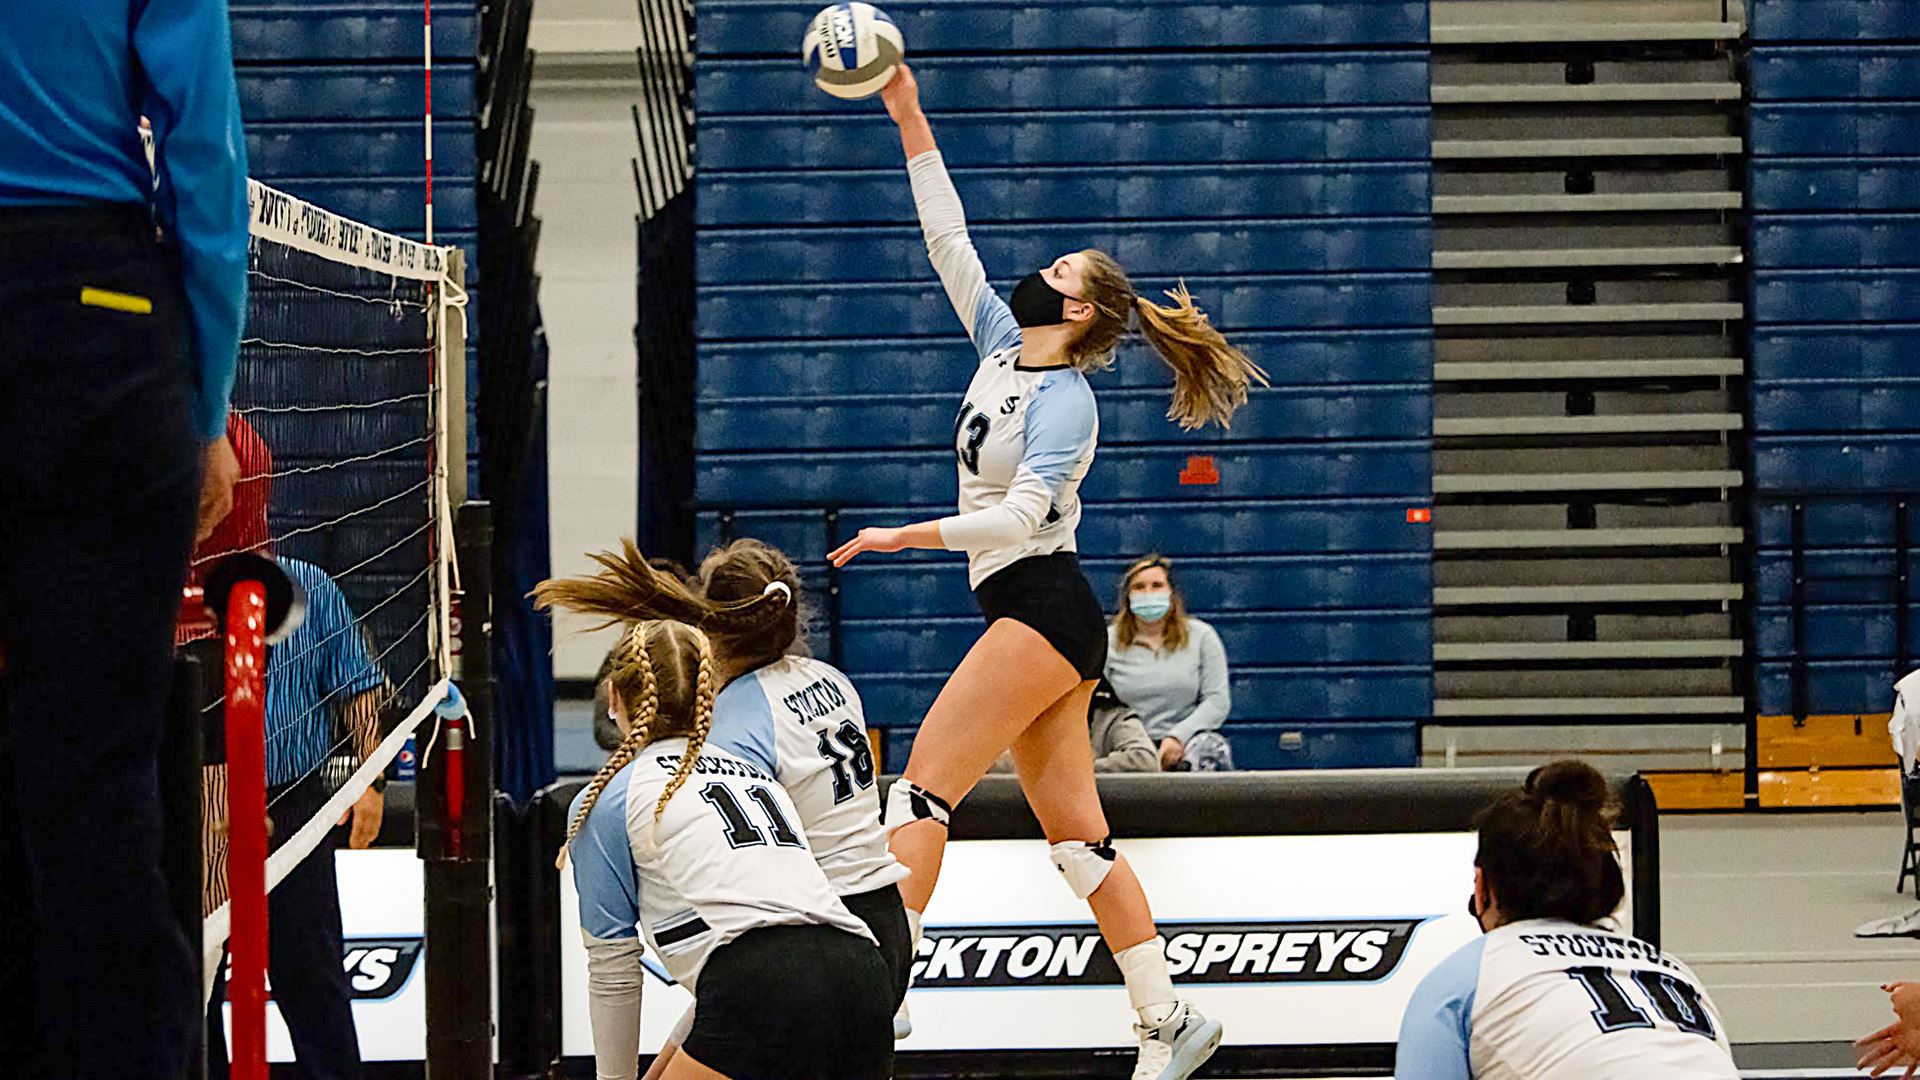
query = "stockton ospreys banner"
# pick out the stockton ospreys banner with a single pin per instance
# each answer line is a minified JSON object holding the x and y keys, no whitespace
{"x":1302,"y":941}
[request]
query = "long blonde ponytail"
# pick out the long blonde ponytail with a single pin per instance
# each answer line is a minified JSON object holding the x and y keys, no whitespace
{"x":631,"y":665}
{"x":1210,"y":376}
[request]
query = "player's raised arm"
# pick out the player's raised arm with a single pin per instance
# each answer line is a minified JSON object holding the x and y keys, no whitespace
{"x":944,"y":223}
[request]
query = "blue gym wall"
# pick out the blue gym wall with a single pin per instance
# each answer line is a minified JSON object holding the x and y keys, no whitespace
{"x":1287,"y":178}
{"x":332,"y":94}
{"x":1835,"y":250}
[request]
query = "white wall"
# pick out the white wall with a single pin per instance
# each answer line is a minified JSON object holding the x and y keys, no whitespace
{"x":584,"y":84}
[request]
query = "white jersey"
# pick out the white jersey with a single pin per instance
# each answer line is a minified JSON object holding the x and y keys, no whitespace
{"x":1549,"y":1000}
{"x":1025,"y":436}
{"x":801,"y":721}
{"x":727,"y":857}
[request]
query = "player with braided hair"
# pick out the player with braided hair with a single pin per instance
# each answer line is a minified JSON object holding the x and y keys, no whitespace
{"x":798,"y":718}
{"x":718,"y":882}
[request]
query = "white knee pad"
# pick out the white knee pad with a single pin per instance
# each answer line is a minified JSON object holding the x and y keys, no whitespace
{"x":908,"y":802}
{"x":1084,"y":865}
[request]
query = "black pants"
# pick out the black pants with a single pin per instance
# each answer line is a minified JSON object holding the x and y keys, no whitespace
{"x":795,"y":1003}
{"x":886,"y":915}
{"x":99,"y":479}
{"x":304,"y":966}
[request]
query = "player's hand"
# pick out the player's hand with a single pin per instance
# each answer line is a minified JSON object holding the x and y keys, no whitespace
{"x":902,"y":95}
{"x":366,"y":813}
{"x":867,"y":540}
{"x":1905,"y":998}
{"x":1172,"y":752}
{"x":220,"y":471}
{"x":1893,"y":1046}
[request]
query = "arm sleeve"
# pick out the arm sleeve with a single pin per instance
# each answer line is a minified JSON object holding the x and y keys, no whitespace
{"x":614,"y":978}
{"x":1127,"y":747}
{"x":1436,"y":1031}
{"x":1060,"y":424}
{"x":346,"y":665}
{"x":743,"y":724}
{"x":186,"y":52}
{"x":944,"y":223}
{"x":1216,"y":697}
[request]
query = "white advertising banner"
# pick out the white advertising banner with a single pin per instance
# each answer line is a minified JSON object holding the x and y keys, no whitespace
{"x":383,"y":913}
{"x":1290,"y":940}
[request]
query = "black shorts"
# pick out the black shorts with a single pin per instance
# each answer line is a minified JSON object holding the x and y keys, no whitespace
{"x":794,"y":1003}
{"x":1049,"y":595}
{"x":886,"y":915}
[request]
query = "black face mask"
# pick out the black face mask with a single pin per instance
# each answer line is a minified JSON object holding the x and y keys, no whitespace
{"x":1036,"y":303}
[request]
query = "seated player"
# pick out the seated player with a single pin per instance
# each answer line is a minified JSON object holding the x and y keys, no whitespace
{"x":787,"y":983}
{"x":1551,"y":993}
{"x":1171,"y":666}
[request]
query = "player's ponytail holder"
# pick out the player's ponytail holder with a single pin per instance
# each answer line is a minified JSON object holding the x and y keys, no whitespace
{"x":779,"y":587}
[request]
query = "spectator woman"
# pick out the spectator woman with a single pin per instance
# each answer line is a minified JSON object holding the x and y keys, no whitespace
{"x":1171,"y":668}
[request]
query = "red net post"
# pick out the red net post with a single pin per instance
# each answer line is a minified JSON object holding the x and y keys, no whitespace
{"x":247,"y":826}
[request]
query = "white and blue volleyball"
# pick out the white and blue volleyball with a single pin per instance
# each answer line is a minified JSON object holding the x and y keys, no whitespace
{"x":852,"y":50}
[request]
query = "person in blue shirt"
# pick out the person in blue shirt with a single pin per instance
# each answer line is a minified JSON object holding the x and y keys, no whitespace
{"x":325,"y":699}
{"x":117,"y":353}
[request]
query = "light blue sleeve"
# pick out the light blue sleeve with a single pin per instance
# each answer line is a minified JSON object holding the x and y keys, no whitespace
{"x":943,"y":222}
{"x":602,"y":860}
{"x":185,"y":49}
{"x":1435,"y":1032}
{"x":743,"y":723}
{"x":1061,"y":420}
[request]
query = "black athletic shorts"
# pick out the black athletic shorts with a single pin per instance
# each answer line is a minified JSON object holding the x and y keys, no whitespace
{"x":886,"y":915}
{"x":795,"y":1003}
{"x":1049,"y":594}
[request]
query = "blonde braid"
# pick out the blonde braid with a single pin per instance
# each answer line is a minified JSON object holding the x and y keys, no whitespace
{"x":702,"y":724}
{"x":636,"y":646}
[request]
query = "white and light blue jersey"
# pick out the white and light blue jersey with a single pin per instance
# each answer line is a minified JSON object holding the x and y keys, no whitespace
{"x":1025,"y":437}
{"x":801,"y":721}
{"x":1549,"y":1000}
{"x":726,"y":857}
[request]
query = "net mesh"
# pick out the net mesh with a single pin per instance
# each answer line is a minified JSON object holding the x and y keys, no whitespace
{"x":337,"y":425}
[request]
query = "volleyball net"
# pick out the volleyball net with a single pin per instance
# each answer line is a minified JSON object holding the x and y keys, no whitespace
{"x":340,"y":424}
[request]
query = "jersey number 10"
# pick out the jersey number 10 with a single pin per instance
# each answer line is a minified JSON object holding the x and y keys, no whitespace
{"x":1675,"y":999}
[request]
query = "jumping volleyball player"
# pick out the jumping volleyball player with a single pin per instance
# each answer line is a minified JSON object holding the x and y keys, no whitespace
{"x":794,"y":717}
{"x":787,"y":983}
{"x":1025,"y":439}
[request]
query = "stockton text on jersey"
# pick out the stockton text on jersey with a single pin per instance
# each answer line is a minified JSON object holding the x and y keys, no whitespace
{"x":952,"y":957}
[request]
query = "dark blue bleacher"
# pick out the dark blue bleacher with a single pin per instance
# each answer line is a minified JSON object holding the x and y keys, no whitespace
{"x":1824,"y":352}
{"x":1831,"y":20}
{"x":1127,"y":417}
{"x":1832,"y":686}
{"x":1831,"y":522}
{"x":1855,"y":462}
{"x":270,"y":92}
{"x":1868,"y":183}
{"x":398,"y":205}
{"x":906,"y":310}
{"x":1820,"y":296}
{"x":1838,"y":404}
{"x":1834,"y":631}
{"x":1801,"y":241}
{"x":1835,"y":72}
{"x":1170,"y":136}
{"x":758,"y":27}
{"x":1213,"y":527}
{"x":1083,"y":192}
{"x":363,"y":31}
{"x":825,"y":253}
{"x":1835,"y":129}
{"x":1341,"y":744}
{"x":1284,"y":471}
{"x":832,"y":368}
{"x":358,"y":149}
{"x":901,"y":588}
{"x":1159,"y":80}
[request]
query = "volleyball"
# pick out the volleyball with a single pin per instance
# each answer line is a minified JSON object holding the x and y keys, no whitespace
{"x":852,"y":50}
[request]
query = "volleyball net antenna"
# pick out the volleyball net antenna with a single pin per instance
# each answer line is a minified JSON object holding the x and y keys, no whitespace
{"x":340,"y":424}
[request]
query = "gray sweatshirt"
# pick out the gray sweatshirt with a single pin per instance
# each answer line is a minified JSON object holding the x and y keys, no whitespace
{"x":1176,"y":693}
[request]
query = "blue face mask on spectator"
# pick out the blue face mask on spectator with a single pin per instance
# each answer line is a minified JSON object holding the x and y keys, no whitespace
{"x":1152,"y":606}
